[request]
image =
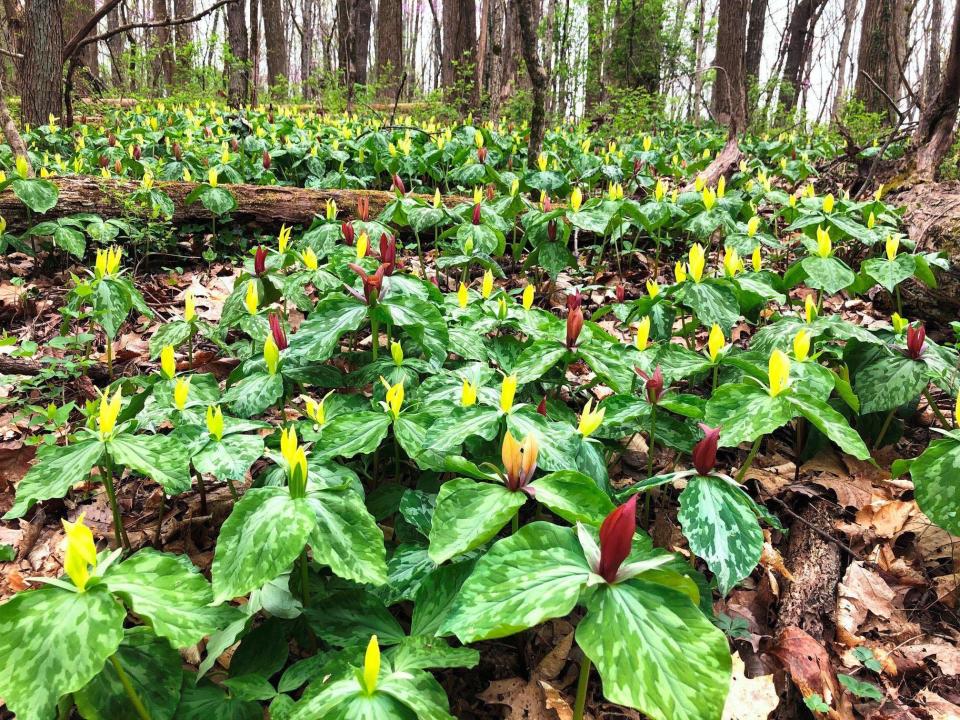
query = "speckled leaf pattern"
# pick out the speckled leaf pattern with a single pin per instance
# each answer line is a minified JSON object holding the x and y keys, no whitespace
{"x":828,"y":274}
{"x":170,"y":594}
{"x":318,"y":335}
{"x":230,"y":458}
{"x":558,"y":442}
{"x":56,"y":469}
{"x":830,"y":423}
{"x":450,"y":430}
{"x":533,"y":575}
{"x":343,"y":700}
{"x":745,"y":412}
{"x":352,"y":433}
{"x":573,"y":496}
{"x":418,"y":691}
{"x":262,"y":537}
{"x":53,"y":642}
{"x":889,"y":382}
{"x":346,"y":537}
{"x":935,"y":475}
{"x":656,"y":651}
{"x":721,"y":528}
{"x":468,"y":513}
{"x":162,"y":458}
{"x":153,"y":668}
{"x":537,"y":359}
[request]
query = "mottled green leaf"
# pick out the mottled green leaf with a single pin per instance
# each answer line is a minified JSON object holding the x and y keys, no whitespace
{"x":56,"y":469}
{"x":468,"y":514}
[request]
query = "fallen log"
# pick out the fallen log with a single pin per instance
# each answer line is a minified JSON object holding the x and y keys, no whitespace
{"x":266,"y":205}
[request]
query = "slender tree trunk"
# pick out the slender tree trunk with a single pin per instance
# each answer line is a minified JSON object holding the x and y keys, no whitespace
{"x":931,"y":70}
{"x":363,"y":13}
{"x":696,"y":88}
{"x":878,"y":80}
{"x":390,"y":45}
{"x":42,"y":65}
{"x":183,"y":39}
{"x":754,"y":52}
{"x":238,"y":69}
{"x":437,"y":42}
{"x":254,"y":53}
{"x":849,"y":15}
{"x":115,"y":46}
{"x":13,"y":12}
{"x":306,"y":48}
{"x":538,"y":78}
{"x":75,"y":14}
{"x":936,"y":129}
{"x":595,"y":33}
{"x":459,"y":49}
{"x":729,"y":101}
{"x":274,"y":30}
{"x":800,"y":30}
{"x":163,"y":69}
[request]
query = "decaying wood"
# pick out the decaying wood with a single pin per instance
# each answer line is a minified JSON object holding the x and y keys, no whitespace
{"x":98,"y":372}
{"x":265,"y":205}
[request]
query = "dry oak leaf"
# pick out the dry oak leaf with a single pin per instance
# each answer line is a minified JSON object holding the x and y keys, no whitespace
{"x":861,"y":592}
{"x":886,"y":519}
{"x":811,"y":670}
{"x":749,"y":698}
{"x":938,"y":708}
{"x":527,"y":699}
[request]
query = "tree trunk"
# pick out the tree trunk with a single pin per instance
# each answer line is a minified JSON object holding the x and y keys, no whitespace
{"x":538,"y":78}
{"x":183,"y":39}
{"x":696,"y":87}
{"x":800,"y":31}
{"x":41,"y":75}
{"x":881,"y":54}
{"x":459,"y":50}
{"x":390,"y":45}
{"x":363,"y":13}
{"x":437,"y":41}
{"x":353,"y":41}
{"x":163,"y":69}
{"x":636,"y":50}
{"x":254,"y":54}
{"x":306,"y":48}
{"x":729,"y":101}
{"x":931,"y":71}
{"x":115,"y":46}
{"x":238,"y":69}
{"x":274,"y":31}
{"x":595,"y":32}
{"x":936,"y":129}
{"x":75,"y":14}
{"x":849,"y":15}
{"x":754,"y":52}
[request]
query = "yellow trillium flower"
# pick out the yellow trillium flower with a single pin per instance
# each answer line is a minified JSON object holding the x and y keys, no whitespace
{"x":271,"y":355}
{"x":309,"y":258}
{"x":371,"y":666}
{"x":331,"y":209}
{"x":652,"y":288}
{"x":288,"y":444}
{"x":647,"y":143}
{"x":108,"y":411}
{"x":699,"y":183}
{"x":212,"y":177}
{"x":252,"y":299}
{"x":576,"y":199}
{"x":81,"y":552}
{"x":168,"y":363}
{"x":284,"y":239}
{"x":528,"y":296}
{"x":590,"y":418}
{"x":462,"y":296}
{"x":316,"y":411}
{"x":878,"y":193}
{"x":697,"y":260}
{"x":508,"y":389}
{"x":715,"y":342}
{"x":514,"y":187}
{"x":779,"y":372}
{"x":22,"y":167}
{"x":189,"y":307}
{"x":680,"y":272}
{"x":363,"y":243}
{"x":659,"y":190}
{"x":824,"y":244}
{"x":542,"y":162}
{"x":180,"y":393}
{"x":187,"y":177}
{"x":801,"y":345}
{"x":477,"y":195}
{"x":828,"y":203}
{"x":732,"y":264}
{"x":486,"y":287}
{"x":721,"y":186}
{"x":899,"y":323}
{"x":215,"y":422}
{"x":871,"y":221}
{"x":753,"y":224}
{"x":892,"y":245}
{"x":468,"y":395}
{"x":756,"y":260}
{"x":396,"y":352}
{"x":643,"y":333}
{"x":394,"y":397}
{"x":709,"y":198}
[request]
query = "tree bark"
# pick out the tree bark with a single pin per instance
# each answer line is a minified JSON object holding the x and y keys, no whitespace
{"x":274,"y":31}
{"x":595,"y":33}
{"x":75,"y":14}
{"x":538,"y":78}
{"x":459,"y":49}
{"x":163,"y":69}
{"x":306,"y":48}
{"x":881,"y":54}
{"x":729,"y":101}
{"x":353,"y":41}
{"x":800,"y":30}
{"x":849,"y":15}
{"x":183,"y":39}
{"x":931,"y":70}
{"x":238,"y":70}
{"x":41,"y":74}
{"x":115,"y":46}
{"x":390,"y":45}
{"x":254,"y":54}
{"x":754,"y":51}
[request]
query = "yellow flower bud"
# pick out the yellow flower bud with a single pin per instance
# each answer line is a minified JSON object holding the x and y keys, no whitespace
{"x":680,"y":272}
{"x":659,"y":190}
{"x":697,"y":260}
{"x":271,"y":355}
{"x":215,"y":422}
{"x":468,"y":395}
{"x":212,"y":177}
{"x":108,"y":412}
{"x":180,"y":393}
{"x":652,"y":288}
{"x":363,"y":243}
{"x":643,"y":333}
{"x":810,"y":308}
{"x":715,"y":342}
{"x":463,"y":296}
{"x":756,"y":260}
{"x":508,"y":389}
{"x":371,"y":666}
{"x":801,"y":345}
{"x":394,"y":398}
{"x":252,"y":298}
{"x":576,"y":199}
{"x":309,"y":258}
{"x":828,"y":203}
{"x":81,"y":552}
{"x":528,"y":296}
{"x":590,"y":419}
{"x":892,"y":245}
{"x":778,"y":372}
{"x":824,"y":245}
{"x":486,"y":287}
{"x":396,"y":352}
{"x":753,"y":225}
{"x":168,"y":363}
{"x":189,"y":306}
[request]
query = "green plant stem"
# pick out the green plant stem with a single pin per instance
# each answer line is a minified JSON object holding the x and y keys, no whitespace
{"x":883,"y":429}
{"x":190,"y":349}
{"x":515,"y":523}
{"x":716,"y":370}
{"x":233,"y":490}
{"x":936,"y":409}
{"x":304,"y":578}
{"x":109,"y":356}
{"x":749,"y":461}
{"x":653,"y":432}
{"x":107,"y":472}
{"x":896,"y":295}
{"x":374,"y":335}
{"x":582,"y":682}
{"x":203,"y":492}
{"x":129,"y":689}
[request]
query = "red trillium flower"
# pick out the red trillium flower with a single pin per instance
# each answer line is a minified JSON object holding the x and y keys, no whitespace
{"x":398,"y":184}
{"x":654,"y":384}
{"x":482,"y":155}
{"x":916,"y":337}
{"x":177,"y":151}
{"x":137,"y":152}
{"x":112,"y":140}
{"x":117,"y":167}
{"x":260,"y":260}
{"x":104,"y":161}
{"x":266,"y":160}
{"x":276,"y":329}
{"x":574,"y":300}
{"x":363,"y":208}
{"x":542,"y":407}
{"x":372,"y":284}
{"x":388,"y":252}
{"x":705,"y":451}
{"x":616,"y":538}
{"x":621,"y":293}
{"x":551,"y":227}
{"x":574,"y":326}
{"x":348,"y":233}
{"x":491,"y":193}
{"x":476,"y":214}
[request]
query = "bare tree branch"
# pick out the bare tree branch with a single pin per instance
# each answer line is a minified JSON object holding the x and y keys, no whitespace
{"x":155,"y":24}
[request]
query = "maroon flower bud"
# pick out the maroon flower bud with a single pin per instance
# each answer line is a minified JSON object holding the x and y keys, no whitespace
{"x":916,"y":337}
{"x":104,"y":161}
{"x":482,"y":155}
{"x":491,"y":193}
{"x":621,"y":293}
{"x":542,"y":407}
{"x":363,"y":208}
{"x":653,"y":384}
{"x":266,"y":160}
{"x":260,"y":260}
{"x":552,"y":231}
{"x":117,"y":166}
{"x":348,"y":233}
{"x":234,"y":145}
{"x":112,"y":140}
{"x":207,"y":133}
{"x":388,"y":252}
{"x":574,"y":326}
{"x":276,"y":329}
{"x":398,"y":184}
{"x":270,"y":116}
{"x":636,"y":166}
{"x":616,"y":539}
{"x":705,"y":451}
{"x":476,"y":214}
{"x":574,"y":300}
{"x":137,"y":152}
{"x":372,"y":284}
{"x":177,"y":151}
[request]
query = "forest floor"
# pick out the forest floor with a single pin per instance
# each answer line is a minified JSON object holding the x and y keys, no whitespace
{"x":877,"y":594}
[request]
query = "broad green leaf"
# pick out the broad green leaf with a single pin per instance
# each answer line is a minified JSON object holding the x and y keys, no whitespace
{"x":407,"y":568}
{"x":721,"y":528}
{"x":450,"y":429}
{"x":229,"y":458}
{"x":713,"y":303}
{"x":422,"y":320}
{"x":537,"y":359}
{"x":170,"y":594}
{"x":153,"y":668}
{"x":173,"y":333}
{"x":319,"y":334}
{"x":56,"y":469}
{"x":54,"y":642}
{"x":218,"y":200}
{"x":162,"y":458}
{"x":888,"y":382}
{"x":352,"y":434}
{"x":205,"y":701}
{"x":534,"y":575}
{"x":344,"y":700}
{"x":558,"y":443}
{"x":348,"y":618}
{"x":934,"y":476}
{"x":253,"y":394}
{"x":745,"y":412}
{"x":656,"y":651}
{"x":346,"y":537}
{"x":830,"y":423}
{"x":436,"y":596}
{"x":419,"y":692}
{"x":262,"y":537}
{"x":573,"y":496}
{"x":468,"y":514}
{"x":828,"y":274}
{"x":424,"y":653}
{"x":890,"y":273}
{"x":37,"y":194}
